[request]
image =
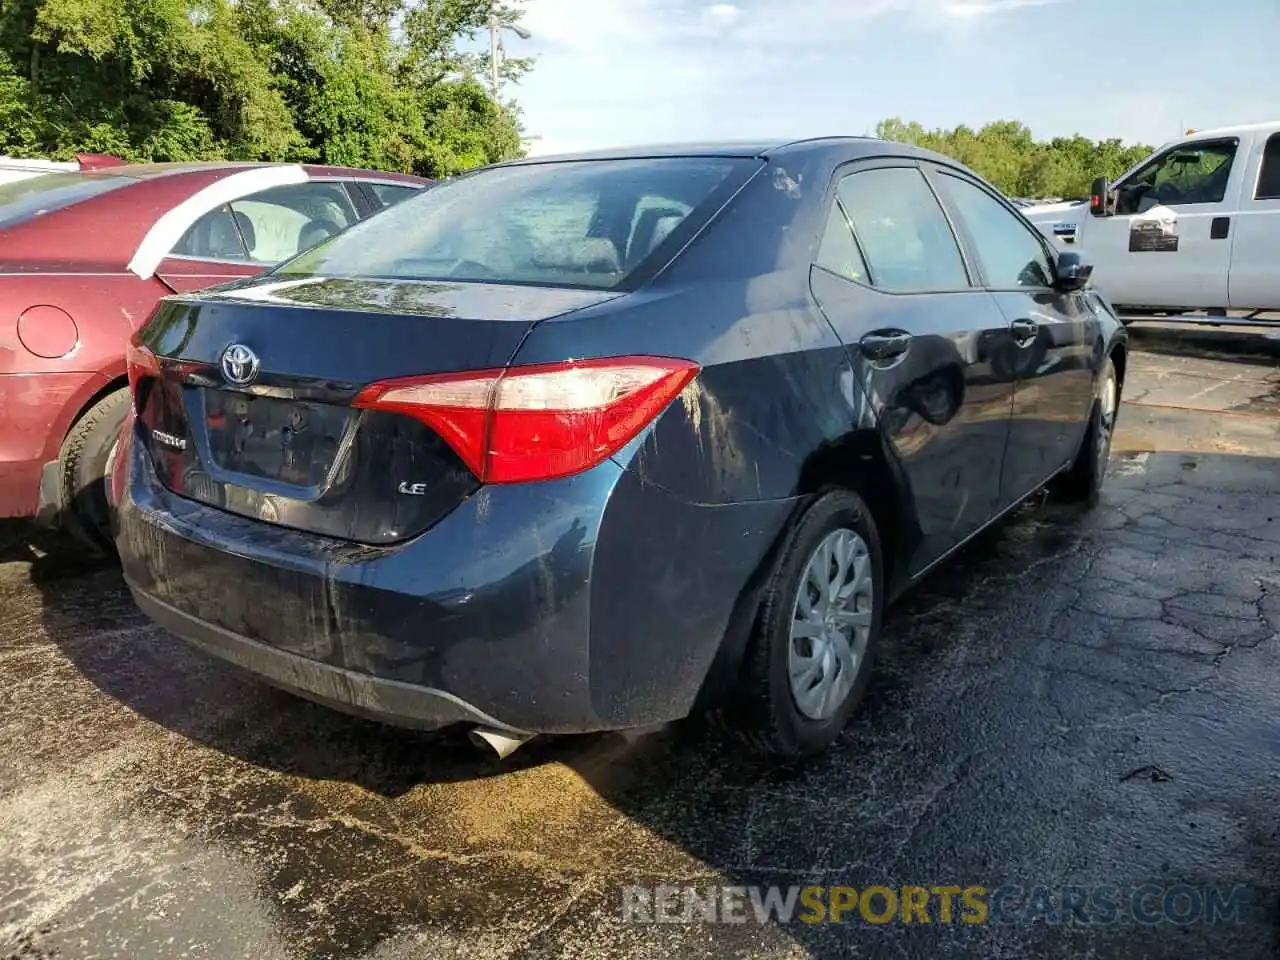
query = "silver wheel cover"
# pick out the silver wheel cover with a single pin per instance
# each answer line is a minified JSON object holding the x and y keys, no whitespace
{"x":830,"y":624}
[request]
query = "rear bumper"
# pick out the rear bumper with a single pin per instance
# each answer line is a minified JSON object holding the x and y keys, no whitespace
{"x":19,"y":488}
{"x":391,"y":701}
{"x":29,"y":490}
{"x":589,"y":603}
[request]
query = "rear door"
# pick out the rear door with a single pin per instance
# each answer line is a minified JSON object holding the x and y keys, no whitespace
{"x":892,"y":280}
{"x":1255,"y":234}
{"x":1050,"y":356}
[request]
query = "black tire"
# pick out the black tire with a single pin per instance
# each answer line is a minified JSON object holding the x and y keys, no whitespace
{"x":86,"y":513}
{"x":1082,"y":481}
{"x":765,"y":714}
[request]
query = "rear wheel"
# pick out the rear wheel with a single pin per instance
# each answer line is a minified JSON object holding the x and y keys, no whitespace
{"x":86,"y":456}
{"x":817,"y":633}
{"x":1082,"y":483}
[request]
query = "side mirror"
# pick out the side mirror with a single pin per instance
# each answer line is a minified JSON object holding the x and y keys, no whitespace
{"x":1098,"y":197}
{"x":1073,"y":271}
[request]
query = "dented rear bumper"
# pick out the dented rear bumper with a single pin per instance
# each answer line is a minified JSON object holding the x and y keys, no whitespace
{"x":592,"y":602}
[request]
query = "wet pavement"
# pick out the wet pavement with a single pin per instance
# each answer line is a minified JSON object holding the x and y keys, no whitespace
{"x":1080,"y":700}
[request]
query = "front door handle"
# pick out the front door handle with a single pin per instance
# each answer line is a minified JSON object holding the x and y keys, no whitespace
{"x":885,"y":346}
{"x":1219,"y":228}
{"x":1024,"y":332}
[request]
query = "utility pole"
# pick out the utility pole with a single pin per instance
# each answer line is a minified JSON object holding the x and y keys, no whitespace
{"x":493,"y":57}
{"x":496,"y":52}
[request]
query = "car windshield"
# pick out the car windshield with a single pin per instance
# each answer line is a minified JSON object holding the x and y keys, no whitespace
{"x":35,"y":196}
{"x":578,"y":224}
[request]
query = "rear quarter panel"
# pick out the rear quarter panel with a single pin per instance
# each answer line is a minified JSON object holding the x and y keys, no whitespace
{"x":106,"y":308}
{"x":776,"y":386}
{"x":684,"y":547}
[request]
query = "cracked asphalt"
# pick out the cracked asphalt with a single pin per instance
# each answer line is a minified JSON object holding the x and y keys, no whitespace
{"x":1077,"y":700}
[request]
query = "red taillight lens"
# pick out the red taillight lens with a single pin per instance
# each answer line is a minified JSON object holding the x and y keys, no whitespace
{"x":140,"y":362}
{"x":537,"y":422}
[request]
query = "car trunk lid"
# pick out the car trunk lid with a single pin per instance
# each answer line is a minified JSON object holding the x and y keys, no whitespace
{"x":249,"y":407}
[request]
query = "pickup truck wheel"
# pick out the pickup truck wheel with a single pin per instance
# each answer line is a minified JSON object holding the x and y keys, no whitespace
{"x":86,"y":453}
{"x":817,"y":632}
{"x":1082,"y":482}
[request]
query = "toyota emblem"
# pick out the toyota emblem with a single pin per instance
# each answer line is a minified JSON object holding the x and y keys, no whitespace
{"x":239,"y":365}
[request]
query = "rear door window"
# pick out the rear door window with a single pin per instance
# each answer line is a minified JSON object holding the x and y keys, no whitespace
{"x":215,"y":236}
{"x":838,"y":251}
{"x":278,"y":223}
{"x":23,"y":200}
{"x":903,"y":233}
{"x":584,"y":223}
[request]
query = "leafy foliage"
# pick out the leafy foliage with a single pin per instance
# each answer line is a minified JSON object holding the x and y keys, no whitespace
{"x":386,"y":84}
{"x":1006,"y":154}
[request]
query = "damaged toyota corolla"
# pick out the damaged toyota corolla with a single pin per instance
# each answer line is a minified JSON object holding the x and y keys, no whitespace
{"x":592,"y":442}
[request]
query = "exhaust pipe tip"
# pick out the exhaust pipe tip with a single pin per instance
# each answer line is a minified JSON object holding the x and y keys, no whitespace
{"x":502,"y":742}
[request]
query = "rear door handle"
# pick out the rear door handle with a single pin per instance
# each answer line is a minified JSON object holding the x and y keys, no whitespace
{"x":885,"y":346}
{"x":1219,"y":228}
{"x":1024,"y":332}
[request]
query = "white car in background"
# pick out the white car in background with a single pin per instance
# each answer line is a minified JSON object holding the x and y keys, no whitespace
{"x":17,"y":168}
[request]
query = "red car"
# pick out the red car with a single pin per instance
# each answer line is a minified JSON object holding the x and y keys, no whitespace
{"x":85,"y":257}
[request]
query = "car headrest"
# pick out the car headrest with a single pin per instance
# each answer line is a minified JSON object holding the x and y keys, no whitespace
{"x":662,"y":229}
{"x":587,"y":255}
{"x":651,"y":229}
{"x":316,"y":231}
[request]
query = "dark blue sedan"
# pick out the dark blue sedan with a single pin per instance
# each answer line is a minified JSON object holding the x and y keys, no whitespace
{"x":591,"y":442}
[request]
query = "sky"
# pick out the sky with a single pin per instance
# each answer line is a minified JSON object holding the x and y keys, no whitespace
{"x":621,"y":72}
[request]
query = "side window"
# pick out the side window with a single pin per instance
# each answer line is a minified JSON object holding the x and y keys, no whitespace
{"x":838,"y":250}
{"x":1269,"y":177}
{"x":1010,"y":253}
{"x":213,"y":237}
{"x":905,"y":237}
{"x":387,"y":194}
{"x":283,"y":221}
{"x":1195,"y":173}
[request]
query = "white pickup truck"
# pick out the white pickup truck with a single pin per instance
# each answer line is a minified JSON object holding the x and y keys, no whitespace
{"x":1193,"y":230}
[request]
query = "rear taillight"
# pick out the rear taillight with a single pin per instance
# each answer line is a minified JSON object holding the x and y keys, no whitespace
{"x":537,"y":422}
{"x":140,"y":362}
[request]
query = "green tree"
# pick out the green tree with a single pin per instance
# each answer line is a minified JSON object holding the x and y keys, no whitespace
{"x":374,"y":83}
{"x":1006,"y":153}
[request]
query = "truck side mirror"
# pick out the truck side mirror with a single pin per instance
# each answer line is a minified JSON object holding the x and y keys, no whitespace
{"x":1098,"y":197}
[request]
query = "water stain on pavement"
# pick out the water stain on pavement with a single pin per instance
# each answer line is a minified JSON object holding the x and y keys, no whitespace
{"x":154,"y":803}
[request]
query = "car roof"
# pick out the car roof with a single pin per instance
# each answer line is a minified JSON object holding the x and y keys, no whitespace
{"x":151,"y":171}
{"x":754,"y":148}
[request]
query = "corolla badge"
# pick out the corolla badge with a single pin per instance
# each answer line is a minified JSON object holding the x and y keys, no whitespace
{"x":239,"y":365}
{"x":169,"y":439}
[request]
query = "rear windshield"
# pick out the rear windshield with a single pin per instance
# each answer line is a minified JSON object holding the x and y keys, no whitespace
{"x":26,"y":199}
{"x":582,"y":224}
